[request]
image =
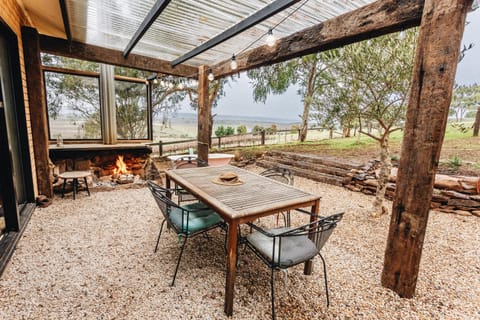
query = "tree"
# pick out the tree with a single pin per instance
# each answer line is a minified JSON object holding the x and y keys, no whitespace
{"x":307,"y":72}
{"x":257,"y":129}
{"x":241,"y":129}
{"x":220,"y":132}
{"x":464,"y":98}
{"x":229,"y":131}
{"x":372,"y":81}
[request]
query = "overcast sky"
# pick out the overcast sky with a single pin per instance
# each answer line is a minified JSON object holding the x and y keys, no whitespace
{"x":238,"y":100}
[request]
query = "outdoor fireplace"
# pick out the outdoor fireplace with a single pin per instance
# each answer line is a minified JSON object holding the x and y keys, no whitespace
{"x":110,"y":165}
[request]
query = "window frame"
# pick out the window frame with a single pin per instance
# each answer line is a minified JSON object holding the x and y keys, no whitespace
{"x":74,"y":73}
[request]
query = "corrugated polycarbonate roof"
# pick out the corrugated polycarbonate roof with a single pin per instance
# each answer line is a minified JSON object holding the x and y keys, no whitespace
{"x":185,"y":24}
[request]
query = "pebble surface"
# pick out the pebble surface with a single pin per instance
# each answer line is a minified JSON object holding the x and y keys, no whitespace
{"x":93,"y":258}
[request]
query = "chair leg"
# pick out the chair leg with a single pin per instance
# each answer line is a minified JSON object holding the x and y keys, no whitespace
{"x":272,"y":292}
{"x":325,"y":276}
{"x":159,"y":234}
{"x":178,"y":261}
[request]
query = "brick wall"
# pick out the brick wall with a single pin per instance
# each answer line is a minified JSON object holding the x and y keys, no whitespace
{"x":12,"y":13}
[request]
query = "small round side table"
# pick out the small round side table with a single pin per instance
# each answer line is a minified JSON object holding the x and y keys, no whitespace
{"x":75,"y":175}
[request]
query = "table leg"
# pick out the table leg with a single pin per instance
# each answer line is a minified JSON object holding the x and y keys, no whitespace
{"x":63,"y":189}
{"x":308,"y":267}
{"x":75,"y":186}
{"x":231,"y":264}
{"x":167,"y":185}
{"x":86,"y":185}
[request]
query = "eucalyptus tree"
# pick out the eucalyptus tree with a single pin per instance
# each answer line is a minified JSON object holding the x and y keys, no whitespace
{"x":464,"y":98}
{"x":307,"y":73}
{"x":377,"y":75}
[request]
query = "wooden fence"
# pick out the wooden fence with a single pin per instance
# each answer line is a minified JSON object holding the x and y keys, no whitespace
{"x":165,"y":148}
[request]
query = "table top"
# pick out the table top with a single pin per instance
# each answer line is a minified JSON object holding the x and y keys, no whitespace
{"x":74,"y":174}
{"x":257,"y":196}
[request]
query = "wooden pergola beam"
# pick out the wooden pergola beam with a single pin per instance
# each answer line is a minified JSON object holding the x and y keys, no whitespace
{"x":373,"y":20}
{"x":204,"y":114}
{"x":431,"y":89}
{"x":38,"y":107}
{"x":93,"y":53}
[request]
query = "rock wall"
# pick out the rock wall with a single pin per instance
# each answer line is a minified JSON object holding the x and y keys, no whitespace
{"x":453,"y":194}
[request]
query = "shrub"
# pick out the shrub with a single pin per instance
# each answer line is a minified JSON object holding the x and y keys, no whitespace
{"x":242,"y":129}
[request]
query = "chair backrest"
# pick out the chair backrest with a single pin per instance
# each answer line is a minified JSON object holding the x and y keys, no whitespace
{"x":282,"y":175}
{"x":168,"y":207}
{"x":325,"y":228}
{"x":320,"y":229}
{"x":160,"y":194}
{"x":188,"y":162}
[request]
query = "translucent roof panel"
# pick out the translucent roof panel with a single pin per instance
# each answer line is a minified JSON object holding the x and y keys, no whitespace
{"x":186,"y":24}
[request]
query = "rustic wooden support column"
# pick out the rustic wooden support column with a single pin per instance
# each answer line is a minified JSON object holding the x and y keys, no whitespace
{"x":204,"y":112}
{"x":437,"y":54}
{"x":38,"y":109}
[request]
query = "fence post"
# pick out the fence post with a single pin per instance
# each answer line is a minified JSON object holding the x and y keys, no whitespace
{"x":160,"y":148}
{"x":219,"y":142}
{"x":262,"y":133}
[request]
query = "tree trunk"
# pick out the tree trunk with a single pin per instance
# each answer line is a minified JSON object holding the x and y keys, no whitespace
{"x":346,"y":132}
{"x":436,"y":61}
{"x":308,"y":100}
{"x":305,"y":115}
{"x":476,"y":124}
{"x":330,"y":133}
{"x":385,"y":168}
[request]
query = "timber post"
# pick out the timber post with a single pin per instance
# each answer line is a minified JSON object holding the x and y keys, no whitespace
{"x":436,"y":61}
{"x":38,"y":109}
{"x":204,"y":112}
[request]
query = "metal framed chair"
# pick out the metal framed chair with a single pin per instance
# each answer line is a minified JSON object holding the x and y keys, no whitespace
{"x":282,"y":248}
{"x":282,"y":175}
{"x":184,"y":163}
{"x":187,"y":221}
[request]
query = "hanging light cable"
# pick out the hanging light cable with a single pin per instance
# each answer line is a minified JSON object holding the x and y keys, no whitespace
{"x":233,"y":63}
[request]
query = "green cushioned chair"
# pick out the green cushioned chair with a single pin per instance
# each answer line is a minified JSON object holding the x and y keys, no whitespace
{"x":187,"y":221}
{"x":282,"y":248}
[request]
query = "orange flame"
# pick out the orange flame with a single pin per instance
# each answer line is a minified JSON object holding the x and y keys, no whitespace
{"x":121,"y":167}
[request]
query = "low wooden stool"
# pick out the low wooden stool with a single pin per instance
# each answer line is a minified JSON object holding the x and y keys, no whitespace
{"x":75,"y":175}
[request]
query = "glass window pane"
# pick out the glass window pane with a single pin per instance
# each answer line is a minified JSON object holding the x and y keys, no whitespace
{"x":69,"y":63}
{"x":73,"y":104}
{"x":131,"y":108}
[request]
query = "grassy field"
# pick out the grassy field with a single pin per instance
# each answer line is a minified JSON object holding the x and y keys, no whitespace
{"x":460,"y":151}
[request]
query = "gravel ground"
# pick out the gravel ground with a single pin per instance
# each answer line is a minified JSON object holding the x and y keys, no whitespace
{"x":93,"y":259}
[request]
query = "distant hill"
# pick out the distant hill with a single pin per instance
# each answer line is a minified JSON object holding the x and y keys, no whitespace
{"x":225,"y":119}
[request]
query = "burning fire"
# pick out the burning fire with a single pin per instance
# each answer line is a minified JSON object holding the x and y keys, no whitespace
{"x":121,"y":167}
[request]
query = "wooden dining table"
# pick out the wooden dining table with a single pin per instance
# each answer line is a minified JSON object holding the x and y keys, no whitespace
{"x":256,"y":197}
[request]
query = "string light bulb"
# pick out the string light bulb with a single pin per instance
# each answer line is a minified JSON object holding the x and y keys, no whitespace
{"x":155,"y":81}
{"x":233,"y":63}
{"x":210,"y":77}
{"x":180,"y":86}
{"x":270,"y":40}
{"x":170,"y":85}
